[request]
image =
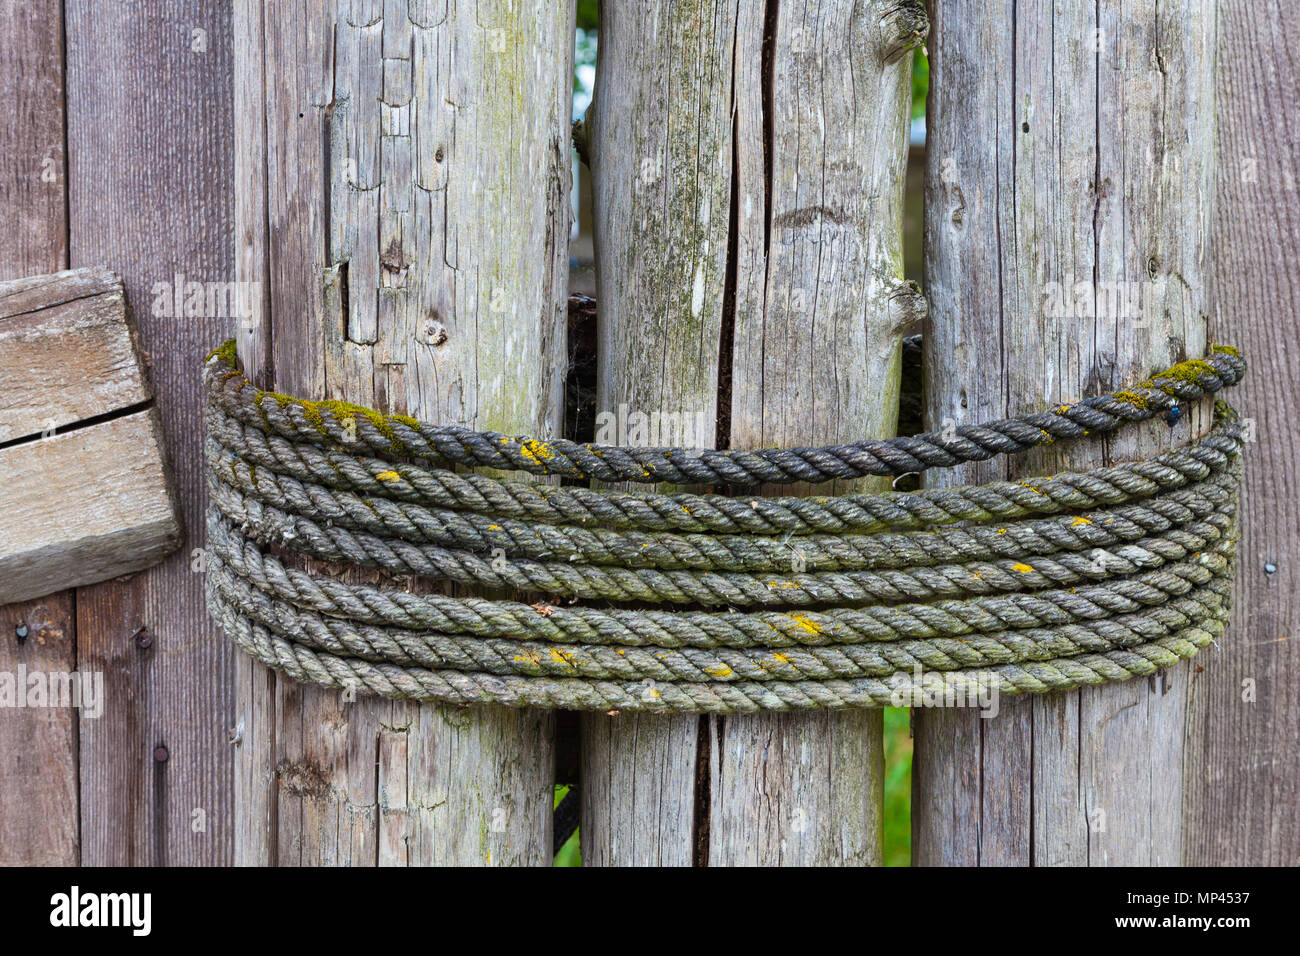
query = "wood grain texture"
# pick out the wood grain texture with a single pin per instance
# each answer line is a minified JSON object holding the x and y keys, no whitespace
{"x":758,"y":211}
{"x":33,"y":164}
{"x":149,"y":146}
{"x":1243,"y":776}
{"x":402,"y":199}
{"x":821,"y":148}
{"x":1069,"y":203}
{"x":68,"y":352}
{"x":38,"y":748}
{"x":85,"y":506}
{"x":38,"y":745}
{"x":96,"y":502}
{"x":661,"y":163}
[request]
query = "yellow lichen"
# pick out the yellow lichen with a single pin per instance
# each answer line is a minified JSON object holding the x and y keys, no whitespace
{"x":538,"y":452}
{"x":806,"y":623}
{"x":1136,"y":399}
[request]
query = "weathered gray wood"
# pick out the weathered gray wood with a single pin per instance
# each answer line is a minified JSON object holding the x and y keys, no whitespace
{"x":67,"y":352}
{"x":38,"y":762}
{"x":1067,"y":145}
{"x":767,"y":197}
{"x":662,"y":160}
{"x":820,"y":306}
{"x":84,"y":506}
{"x":1243,"y":779}
{"x":402,"y":198}
{"x":38,"y":746}
{"x":33,"y":164}
{"x":149,"y":121}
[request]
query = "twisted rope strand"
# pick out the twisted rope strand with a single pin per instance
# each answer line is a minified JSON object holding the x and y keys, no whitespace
{"x":247,"y":487}
{"x":461,"y":687}
{"x":481,"y":617}
{"x":708,"y":587}
{"x":358,"y":429}
{"x":870,"y":659}
{"x":401,"y":482}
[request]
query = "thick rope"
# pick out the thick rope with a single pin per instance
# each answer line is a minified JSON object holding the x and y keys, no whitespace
{"x":853,"y":600}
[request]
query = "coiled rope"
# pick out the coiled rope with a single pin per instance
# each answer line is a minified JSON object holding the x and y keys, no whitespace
{"x":782,"y":603}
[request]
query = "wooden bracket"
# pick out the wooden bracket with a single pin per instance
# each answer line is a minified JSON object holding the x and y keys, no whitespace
{"x":85,"y":493}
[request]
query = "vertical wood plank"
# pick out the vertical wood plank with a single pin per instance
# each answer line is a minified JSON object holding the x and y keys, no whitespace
{"x":402,"y":180}
{"x":823,"y":99}
{"x":38,"y":747}
{"x":1069,"y":202}
{"x":1243,"y":781}
{"x":661,"y":163}
{"x":747,"y":174}
{"x":149,"y":196}
{"x":33,"y":165}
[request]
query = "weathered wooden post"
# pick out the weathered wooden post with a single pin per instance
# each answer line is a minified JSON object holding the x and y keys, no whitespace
{"x":402,"y":197}
{"x":1242,"y":779}
{"x":1069,"y":200}
{"x":747,"y":166}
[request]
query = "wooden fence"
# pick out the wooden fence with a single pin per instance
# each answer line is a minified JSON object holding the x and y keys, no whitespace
{"x":391,"y":180}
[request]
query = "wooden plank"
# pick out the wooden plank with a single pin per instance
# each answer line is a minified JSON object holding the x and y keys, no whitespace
{"x":38,"y":747}
{"x":410,"y":164}
{"x":85,"y":506}
{"x":149,"y":129}
{"x":96,"y":502}
{"x":67,"y":352}
{"x":820,"y":307}
{"x":1243,"y":781}
{"x":1065,"y":146}
{"x":661,"y":162}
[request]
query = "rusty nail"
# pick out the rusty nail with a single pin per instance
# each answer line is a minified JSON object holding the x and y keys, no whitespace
{"x":144,"y":638}
{"x":20,"y":631}
{"x":160,"y":754}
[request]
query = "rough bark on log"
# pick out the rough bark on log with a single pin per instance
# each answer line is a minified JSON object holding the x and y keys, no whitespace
{"x":753,"y":226}
{"x":402,"y":196}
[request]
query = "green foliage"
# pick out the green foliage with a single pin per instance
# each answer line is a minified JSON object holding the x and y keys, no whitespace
{"x":920,"y":81}
{"x":588,"y":14}
{"x":569,"y":854}
{"x":896,"y":822}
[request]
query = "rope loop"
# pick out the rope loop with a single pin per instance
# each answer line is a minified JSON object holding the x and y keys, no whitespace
{"x":706,"y":602}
